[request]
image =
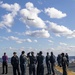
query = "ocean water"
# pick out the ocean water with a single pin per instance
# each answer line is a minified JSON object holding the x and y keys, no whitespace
{"x":71,"y":59}
{"x":9,"y":60}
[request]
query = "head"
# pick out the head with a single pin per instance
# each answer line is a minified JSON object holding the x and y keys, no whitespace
{"x":63,"y":54}
{"x":51,"y":53}
{"x":40,"y":53}
{"x":32,"y":53}
{"x":14,"y":53}
{"x":66,"y":54}
{"x":4,"y":53}
{"x":47,"y":53}
{"x":28,"y":54}
{"x":23,"y":52}
{"x":37,"y":54}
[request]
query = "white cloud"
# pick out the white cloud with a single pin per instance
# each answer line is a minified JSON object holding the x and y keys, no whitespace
{"x":8,"y":30}
{"x":50,"y":41}
{"x":39,"y":33}
{"x":35,"y":41}
{"x":61,"y":43}
{"x":60,"y":30}
{"x":18,"y":40}
{"x":28,"y":40}
{"x":8,"y":19}
{"x":54,"y":13}
{"x":27,"y":27}
{"x":30,"y":17}
{"x":11,"y":7}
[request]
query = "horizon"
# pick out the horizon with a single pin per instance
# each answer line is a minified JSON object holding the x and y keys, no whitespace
{"x":30,"y":25}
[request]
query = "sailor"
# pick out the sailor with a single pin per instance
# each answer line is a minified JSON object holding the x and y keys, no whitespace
{"x":23,"y":60}
{"x":40,"y":64}
{"x":15,"y":64}
{"x":48,"y":63}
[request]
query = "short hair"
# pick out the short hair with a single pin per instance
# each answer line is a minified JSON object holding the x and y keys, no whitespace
{"x":51,"y":53}
{"x":23,"y":52}
{"x":40,"y":52}
{"x":32,"y":52}
{"x":47,"y":52}
{"x":4,"y":53}
{"x":14,"y":52}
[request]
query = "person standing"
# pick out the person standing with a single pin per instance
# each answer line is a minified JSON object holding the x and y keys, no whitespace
{"x":67,"y":59}
{"x":5,"y":63}
{"x":52,"y":61}
{"x":23,"y":60}
{"x":64,"y":64}
{"x":32,"y":63}
{"x":40,"y":64}
{"x":15,"y":64}
{"x":48,"y":63}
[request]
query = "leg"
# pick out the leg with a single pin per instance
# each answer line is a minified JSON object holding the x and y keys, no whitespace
{"x":52,"y":66}
{"x":64,"y":71}
{"x":3,"y":67}
{"x":34,"y":70}
{"x":14,"y":70}
{"x":41,"y":70}
{"x":37,"y":70}
{"x":23,"y":69}
{"x":30,"y":69}
{"x":6,"y":65}
{"x":49,"y":69}
{"x":17,"y":68}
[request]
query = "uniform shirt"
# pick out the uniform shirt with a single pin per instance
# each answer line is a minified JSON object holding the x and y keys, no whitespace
{"x":15,"y":61}
{"x":32,"y":59}
{"x":40,"y":59}
{"x":4,"y":58}
{"x":23,"y":59}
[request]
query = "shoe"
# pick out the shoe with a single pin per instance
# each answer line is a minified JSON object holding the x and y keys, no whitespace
{"x":5,"y":73}
{"x":2,"y":73}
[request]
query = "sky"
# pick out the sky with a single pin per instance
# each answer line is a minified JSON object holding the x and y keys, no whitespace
{"x":37,"y":25}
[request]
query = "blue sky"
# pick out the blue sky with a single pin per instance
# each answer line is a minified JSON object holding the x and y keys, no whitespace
{"x":34,"y":25}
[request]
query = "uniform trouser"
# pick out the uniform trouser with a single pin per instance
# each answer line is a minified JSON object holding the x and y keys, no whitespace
{"x":48,"y":68}
{"x":40,"y":69}
{"x":67,"y":62}
{"x":23,"y":69}
{"x":52,"y":69}
{"x":16,"y":68}
{"x":5,"y":65}
{"x":32,"y":69}
{"x":64,"y":70}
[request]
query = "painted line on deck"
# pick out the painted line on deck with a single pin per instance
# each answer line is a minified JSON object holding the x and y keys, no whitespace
{"x":70,"y":72}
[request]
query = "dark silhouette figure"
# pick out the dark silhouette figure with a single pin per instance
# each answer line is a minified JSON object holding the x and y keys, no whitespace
{"x":52,"y":61}
{"x":40,"y":65}
{"x":59,"y":60}
{"x":48,"y":63}
{"x":15,"y":64}
{"x":32,"y":60}
{"x":4,"y":63}
{"x":23,"y":60}
{"x":67,"y":59}
{"x":64,"y":64}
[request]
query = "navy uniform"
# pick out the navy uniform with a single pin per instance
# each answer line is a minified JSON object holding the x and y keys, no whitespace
{"x":52,"y":61}
{"x":67,"y":59}
{"x":15,"y":64}
{"x":40,"y":66}
{"x":23,"y":59}
{"x":64,"y":64}
{"x":48,"y":63}
{"x":32,"y":62}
